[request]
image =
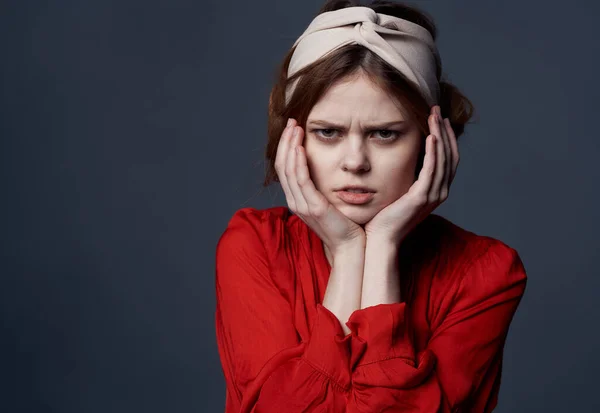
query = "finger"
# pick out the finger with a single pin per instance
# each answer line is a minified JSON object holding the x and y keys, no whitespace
{"x":454,"y":148}
{"x":434,"y":126}
{"x":448,"y":163}
{"x":314,"y":199}
{"x":282,"y":147}
{"x":281,"y":161}
{"x":421,"y":187}
{"x":443,"y":193}
{"x":290,"y":171}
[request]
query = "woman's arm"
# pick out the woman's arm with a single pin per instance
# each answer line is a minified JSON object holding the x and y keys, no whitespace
{"x":381,"y":279}
{"x":460,"y":369}
{"x":265,"y":365}
{"x":342,"y":296}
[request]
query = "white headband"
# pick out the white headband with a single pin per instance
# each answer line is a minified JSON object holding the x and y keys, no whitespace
{"x":406,"y":46}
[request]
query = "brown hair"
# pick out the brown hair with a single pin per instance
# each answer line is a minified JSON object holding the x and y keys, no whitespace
{"x":348,"y":60}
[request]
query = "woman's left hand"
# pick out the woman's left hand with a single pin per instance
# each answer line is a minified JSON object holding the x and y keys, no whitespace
{"x":394,"y":222}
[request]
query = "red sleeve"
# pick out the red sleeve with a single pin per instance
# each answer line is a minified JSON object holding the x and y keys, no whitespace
{"x":460,"y":369}
{"x":266,"y":367}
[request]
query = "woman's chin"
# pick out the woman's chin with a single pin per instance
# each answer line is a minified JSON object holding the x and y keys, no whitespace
{"x":359,"y":214}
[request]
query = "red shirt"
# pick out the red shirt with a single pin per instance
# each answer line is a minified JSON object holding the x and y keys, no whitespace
{"x":439,"y":350}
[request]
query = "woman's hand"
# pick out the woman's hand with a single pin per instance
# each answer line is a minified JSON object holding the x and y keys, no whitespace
{"x":333,"y":228}
{"x":395,"y":221}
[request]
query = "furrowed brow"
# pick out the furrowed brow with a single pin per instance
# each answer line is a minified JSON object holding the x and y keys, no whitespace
{"x":382,"y":125}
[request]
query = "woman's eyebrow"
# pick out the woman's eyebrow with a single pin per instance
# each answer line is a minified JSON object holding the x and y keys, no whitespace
{"x":381,"y":125}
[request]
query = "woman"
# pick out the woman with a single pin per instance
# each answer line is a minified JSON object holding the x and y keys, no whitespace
{"x":360,"y":299}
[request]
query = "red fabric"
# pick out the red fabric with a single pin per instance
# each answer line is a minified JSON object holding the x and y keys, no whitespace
{"x":439,"y":350}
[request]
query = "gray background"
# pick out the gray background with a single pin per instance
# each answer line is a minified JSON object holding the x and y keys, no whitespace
{"x":133,"y":130}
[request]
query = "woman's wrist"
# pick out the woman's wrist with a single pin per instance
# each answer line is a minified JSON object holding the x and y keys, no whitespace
{"x":350,"y":249}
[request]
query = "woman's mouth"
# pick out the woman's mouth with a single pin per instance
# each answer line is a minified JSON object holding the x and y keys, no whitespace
{"x":355,"y":197}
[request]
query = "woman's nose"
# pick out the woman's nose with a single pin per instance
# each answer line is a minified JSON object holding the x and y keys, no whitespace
{"x":356,"y":161}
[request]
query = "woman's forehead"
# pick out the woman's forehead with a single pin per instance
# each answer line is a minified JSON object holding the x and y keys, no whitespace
{"x":357,"y":93}
{"x":340,"y":108}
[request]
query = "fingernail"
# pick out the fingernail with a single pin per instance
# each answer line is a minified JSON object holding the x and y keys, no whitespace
{"x":289,"y":122}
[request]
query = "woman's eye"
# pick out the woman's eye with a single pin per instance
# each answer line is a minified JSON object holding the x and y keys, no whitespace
{"x":384,"y":134}
{"x":324,"y":132}
{"x":388,"y":134}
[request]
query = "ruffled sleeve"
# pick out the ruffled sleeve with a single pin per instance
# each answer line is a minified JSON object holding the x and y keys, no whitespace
{"x":266,"y":367}
{"x":460,"y":369}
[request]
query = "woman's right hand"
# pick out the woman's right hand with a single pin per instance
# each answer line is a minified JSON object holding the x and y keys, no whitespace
{"x":333,"y":228}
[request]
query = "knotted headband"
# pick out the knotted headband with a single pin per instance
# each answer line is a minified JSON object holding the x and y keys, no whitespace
{"x":406,"y":46}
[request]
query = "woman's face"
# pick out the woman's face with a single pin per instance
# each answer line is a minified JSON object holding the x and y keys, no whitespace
{"x":356,"y":135}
